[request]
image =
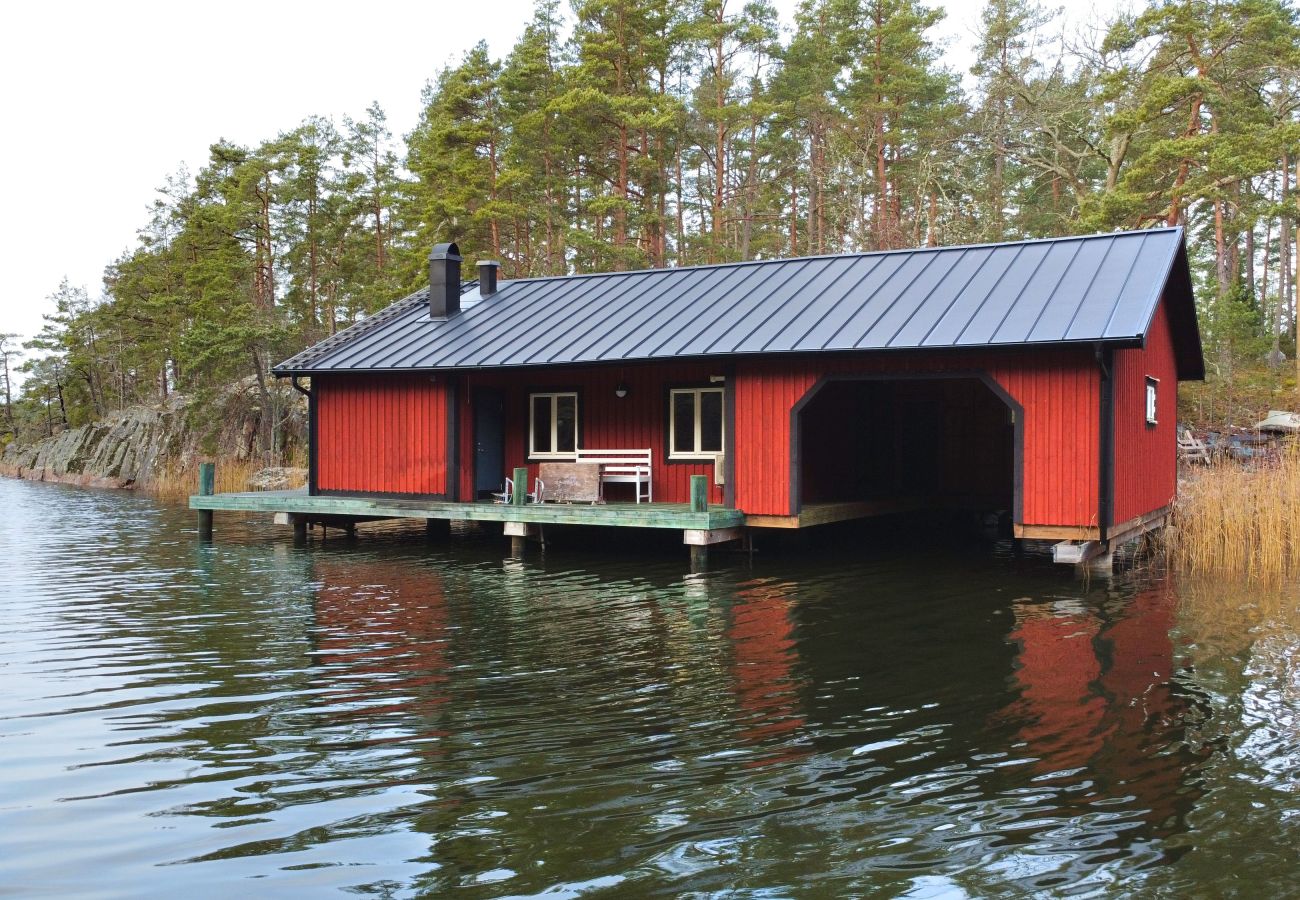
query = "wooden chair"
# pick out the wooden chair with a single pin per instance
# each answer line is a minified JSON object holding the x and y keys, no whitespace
{"x":538,"y":494}
{"x":1192,"y":449}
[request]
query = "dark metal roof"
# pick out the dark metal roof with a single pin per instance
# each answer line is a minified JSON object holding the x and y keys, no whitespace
{"x":1096,"y":289}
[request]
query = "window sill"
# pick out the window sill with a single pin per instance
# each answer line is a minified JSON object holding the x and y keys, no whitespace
{"x":695,"y":458}
{"x":552,"y":457}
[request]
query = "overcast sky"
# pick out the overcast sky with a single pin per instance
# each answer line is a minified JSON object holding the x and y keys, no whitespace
{"x":104,"y":100}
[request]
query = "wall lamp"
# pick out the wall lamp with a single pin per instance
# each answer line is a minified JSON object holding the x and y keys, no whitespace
{"x":621,"y":391}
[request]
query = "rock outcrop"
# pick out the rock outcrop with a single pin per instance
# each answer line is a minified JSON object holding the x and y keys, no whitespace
{"x":132,"y":447}
{"x":120,"y":450}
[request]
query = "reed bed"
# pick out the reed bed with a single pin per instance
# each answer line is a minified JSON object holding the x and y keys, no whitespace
{"x":1239,"y":520}
{"x":178,"y":482}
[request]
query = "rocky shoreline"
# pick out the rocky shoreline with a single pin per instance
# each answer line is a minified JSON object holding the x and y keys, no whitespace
{"x":133,"y":447}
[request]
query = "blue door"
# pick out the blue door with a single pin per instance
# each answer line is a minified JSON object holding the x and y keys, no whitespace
{"x":489,"y":441}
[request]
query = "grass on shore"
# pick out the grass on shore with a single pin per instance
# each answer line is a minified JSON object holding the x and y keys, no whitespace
{"x":1238,"y":520}
{"x":177,"y":483}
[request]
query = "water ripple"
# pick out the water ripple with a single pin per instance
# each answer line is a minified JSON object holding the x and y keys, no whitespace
{"x":382,"y":717}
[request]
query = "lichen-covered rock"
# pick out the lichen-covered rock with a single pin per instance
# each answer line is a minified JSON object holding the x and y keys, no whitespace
{"x":131,"y":447}
{"x":118,"y":451}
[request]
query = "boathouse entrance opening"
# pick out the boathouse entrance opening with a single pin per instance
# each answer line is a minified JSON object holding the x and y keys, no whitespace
{"x":876,"y":445}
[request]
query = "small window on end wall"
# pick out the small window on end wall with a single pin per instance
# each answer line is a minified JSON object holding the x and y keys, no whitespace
{"x":695,"y":423}
{"x":1152,"y":384}
{"x":553,"y":425}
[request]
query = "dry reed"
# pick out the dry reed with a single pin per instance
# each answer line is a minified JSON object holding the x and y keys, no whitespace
{"x":1239,"y":520}
{"x":177,"y":482}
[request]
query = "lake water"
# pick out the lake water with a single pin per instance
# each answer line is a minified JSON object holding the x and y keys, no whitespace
{"x":860,"y":718}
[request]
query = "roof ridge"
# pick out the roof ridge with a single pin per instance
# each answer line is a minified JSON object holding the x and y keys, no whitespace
{"x":857,"y":254}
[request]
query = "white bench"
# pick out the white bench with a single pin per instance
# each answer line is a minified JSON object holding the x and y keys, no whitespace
{"x":623,"y":467}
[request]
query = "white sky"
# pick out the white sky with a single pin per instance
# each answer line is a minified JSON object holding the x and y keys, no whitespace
{"x":104,"y":100}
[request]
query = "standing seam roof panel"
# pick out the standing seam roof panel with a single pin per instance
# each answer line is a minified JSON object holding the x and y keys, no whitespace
{"x":739,"y":330}
{"x":1022,"y":315}
{"x":519,"y":343}
{"x":714,"y":329}
{"x":687,"y":320}
{"x":822,"y":326}
{"x":487,"y":339}
{"x":854,"y":328}
{"x":1056,"y":315}
{"x":770,"y":326}
{"x":622,"y":345}
{"x":595,"y":321}
{"x":922,"y":319}
{"x":892,"y":319}
{"x":989,"y":316}
{"x":1135,"y":306}
{"x":963,"y":307}
{"x":1097,"y":288}
{"x":1105,"y":289}
{"x":683,"y":286}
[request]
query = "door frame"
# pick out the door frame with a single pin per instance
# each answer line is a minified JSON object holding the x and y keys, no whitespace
{"x":476,"y":394}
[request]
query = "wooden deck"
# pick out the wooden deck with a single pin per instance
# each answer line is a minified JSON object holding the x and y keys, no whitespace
{"x":628,"y":515}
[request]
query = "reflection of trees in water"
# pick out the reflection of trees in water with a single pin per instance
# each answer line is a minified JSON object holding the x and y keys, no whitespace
{"x":1241,"y":640}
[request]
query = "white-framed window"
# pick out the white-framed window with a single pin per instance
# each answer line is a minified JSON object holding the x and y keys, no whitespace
{"x":695,"y":426}
{"x":1152,"y":385}
{"x":553,"y":425}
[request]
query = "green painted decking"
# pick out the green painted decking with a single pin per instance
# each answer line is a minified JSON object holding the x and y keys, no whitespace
{"x":627,"y":515}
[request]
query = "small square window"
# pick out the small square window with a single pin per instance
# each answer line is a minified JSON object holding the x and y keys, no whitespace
{"x":1152,"y":385}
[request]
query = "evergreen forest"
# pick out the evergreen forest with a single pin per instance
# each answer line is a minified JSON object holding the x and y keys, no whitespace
{"x":621,"y":134}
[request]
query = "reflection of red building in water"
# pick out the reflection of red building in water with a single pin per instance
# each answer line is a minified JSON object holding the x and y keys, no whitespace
{"x":382,"y":640}
{"x":1095,"y":693}
{"x":763,"y":659}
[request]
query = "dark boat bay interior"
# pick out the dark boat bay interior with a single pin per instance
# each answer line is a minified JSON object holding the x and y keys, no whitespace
{"x":882,"y":713}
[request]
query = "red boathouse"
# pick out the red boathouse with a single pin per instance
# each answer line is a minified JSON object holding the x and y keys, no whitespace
{"x":1037,"y":379}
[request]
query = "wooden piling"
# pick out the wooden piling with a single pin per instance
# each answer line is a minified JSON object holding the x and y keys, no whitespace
{"x":207,"y":487}
{"x":699,"y":493}
{"x":299,"y":531}
{"x":521,"y":487}
{"x":699,"y":555}
{"x":437,"y":529}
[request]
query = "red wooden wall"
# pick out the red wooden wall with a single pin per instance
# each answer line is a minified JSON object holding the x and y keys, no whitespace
{"x":1146,"y":457}
{"x":605,"y":421}
{"x":1059,"y":391}
{"x":381,"y":434}
{"x":387,"y":433}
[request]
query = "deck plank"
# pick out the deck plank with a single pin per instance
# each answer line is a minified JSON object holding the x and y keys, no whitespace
{"x":628,"y":515}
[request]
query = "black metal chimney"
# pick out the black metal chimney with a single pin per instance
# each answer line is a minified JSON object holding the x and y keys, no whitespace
{"x":487,"y":276}
{"x":444,"y":281}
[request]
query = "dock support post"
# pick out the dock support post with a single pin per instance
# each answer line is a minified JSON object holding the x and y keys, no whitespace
{"x":299,"y":531}
{"x":518,"y":534}
{"x":521,"y":487}
{"x":699,"y":493}
{"x":699,"y":558}
{"x":699,"y":504}
{"x":1103,"y":563}
{"x":437,"y":529}
{"x":207,"y":487}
